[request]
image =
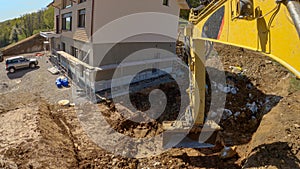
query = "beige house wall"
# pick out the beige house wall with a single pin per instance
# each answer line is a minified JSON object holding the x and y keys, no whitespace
{"x":80,"y":34}
{"x":106,"y":11}
{"x":137,"y":15}
{"x":106,"y":52}
{"x":110,"y":10}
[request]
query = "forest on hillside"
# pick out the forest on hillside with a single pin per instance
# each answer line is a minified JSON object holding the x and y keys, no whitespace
{"x":14,"y":30}
{"x":184,"y":14}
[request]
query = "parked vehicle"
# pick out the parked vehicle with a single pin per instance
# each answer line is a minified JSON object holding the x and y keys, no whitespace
{"x":19,"y":62}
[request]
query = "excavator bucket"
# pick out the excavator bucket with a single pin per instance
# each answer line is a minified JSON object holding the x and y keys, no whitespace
{"x":177,"y":136}
{"x":183,"y":133}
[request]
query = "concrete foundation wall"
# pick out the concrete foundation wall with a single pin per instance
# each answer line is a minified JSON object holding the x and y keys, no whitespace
{"x":110,"y":53}
{"x":106,"y":54}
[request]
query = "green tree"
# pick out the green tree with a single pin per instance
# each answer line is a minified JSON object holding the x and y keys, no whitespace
{"x":17,"y":29}
{"x":27,"y":25}
{"x":14,"y":35}
{"x":49,"y":18}
{"x":185,"y":13}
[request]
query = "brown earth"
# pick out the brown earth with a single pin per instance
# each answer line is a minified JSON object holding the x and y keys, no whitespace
{"x":37,"y":133}
{"x":34,"y":43}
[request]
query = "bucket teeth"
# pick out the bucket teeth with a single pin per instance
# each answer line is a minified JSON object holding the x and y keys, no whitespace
{"x":186,"y":142}
{"x":179,"y":134}
{"x":184,"y":139}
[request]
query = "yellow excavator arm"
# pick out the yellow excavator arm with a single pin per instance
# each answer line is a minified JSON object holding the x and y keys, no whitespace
{"x":267,"y":26}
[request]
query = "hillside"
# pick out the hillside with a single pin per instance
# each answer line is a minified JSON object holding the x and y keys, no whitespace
{"x":14,"y":30}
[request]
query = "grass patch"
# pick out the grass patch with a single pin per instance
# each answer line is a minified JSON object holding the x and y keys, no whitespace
{"x":294,"y":85}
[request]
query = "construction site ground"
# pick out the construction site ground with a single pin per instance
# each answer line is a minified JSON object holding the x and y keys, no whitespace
{"x":36,"y":132}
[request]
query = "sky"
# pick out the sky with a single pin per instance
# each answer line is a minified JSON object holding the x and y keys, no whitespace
{"x":14,"y":8}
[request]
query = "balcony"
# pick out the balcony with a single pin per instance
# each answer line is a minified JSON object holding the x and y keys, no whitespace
{"x":49,"y":35}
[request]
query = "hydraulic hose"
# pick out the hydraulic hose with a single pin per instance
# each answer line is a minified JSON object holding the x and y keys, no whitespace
{"x":293,"y":7}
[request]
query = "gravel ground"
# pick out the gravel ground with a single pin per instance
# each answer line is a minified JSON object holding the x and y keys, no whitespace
{"x":35,"y":82}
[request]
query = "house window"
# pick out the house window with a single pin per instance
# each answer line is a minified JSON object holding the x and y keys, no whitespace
{"x":67,"y":21}
{"x":166,"y":2}
{"x":67,"y":3}
{"x":57,"y":24}
{"x":80,"y":1}
{"x":74,"y":51}
{"x":85,"y":56}
{"x":81,"y":18}
{"x":63,"y":46}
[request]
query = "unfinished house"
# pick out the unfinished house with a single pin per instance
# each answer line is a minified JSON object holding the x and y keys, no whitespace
{"x":93,"y":38}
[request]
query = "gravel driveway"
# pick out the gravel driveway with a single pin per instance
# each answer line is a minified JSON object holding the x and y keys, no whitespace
{"x":30,"y":83}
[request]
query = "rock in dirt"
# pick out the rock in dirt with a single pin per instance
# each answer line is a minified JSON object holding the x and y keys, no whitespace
{"x":228,"y":152}
{"x":64,"y":103}
{"x":140,"y":132}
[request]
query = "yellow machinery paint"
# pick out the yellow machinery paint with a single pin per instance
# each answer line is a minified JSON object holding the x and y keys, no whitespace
{"x":270,"y":30}
{"x":267,"y":28}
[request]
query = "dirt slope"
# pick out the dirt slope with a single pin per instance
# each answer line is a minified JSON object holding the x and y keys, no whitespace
{"x":276,"y":143}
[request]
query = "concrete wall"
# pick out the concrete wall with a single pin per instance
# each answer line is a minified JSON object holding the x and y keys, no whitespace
{"x":31,"y":44}
{"x":107,"y":54}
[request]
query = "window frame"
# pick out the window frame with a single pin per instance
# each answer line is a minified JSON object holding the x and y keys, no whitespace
{"x":57,"y":22}
{"x":166,"y":2}
{"x":81,"y":1}
{"x":80,"y":24}
{"x":74,"y":52}
{"x":63,"y":46}
{"x":64,"y":21}
{"x":65,"y":4}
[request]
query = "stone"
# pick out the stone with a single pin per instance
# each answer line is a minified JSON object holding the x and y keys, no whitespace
{"x":228,"y":152}
{"x":141,"y":132}
{"x":157,"y":164}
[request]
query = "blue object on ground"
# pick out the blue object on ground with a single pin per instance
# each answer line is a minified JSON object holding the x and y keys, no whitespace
{"x":58,"y":83}
{"x":65,"y":82}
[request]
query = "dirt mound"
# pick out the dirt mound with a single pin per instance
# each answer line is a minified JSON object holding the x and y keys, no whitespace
{"x":264,"y":73}
{"x":33,"y":138}
{"x":277,"y":140}
{"x":131,"y":126}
